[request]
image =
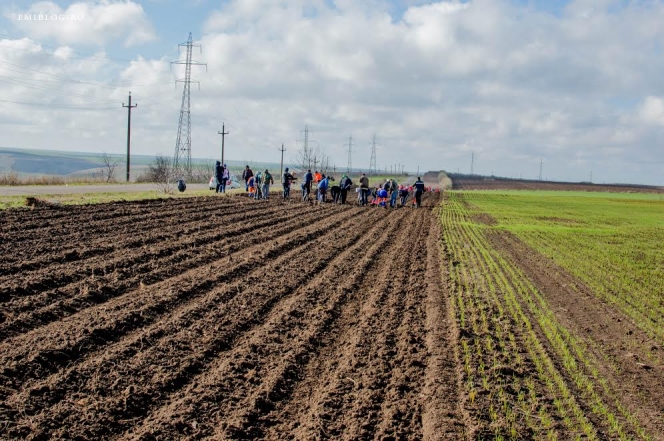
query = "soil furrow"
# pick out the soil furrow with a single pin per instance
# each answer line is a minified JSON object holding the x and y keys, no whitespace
{"x":284,"y":320}
{"x":139,"y":268}
{"x":442,"y":418}
{"x":172,"y":354}
{"x":66,"y":267}
{"x":347,"y":380}
{"x":401,"y":409}
{"x":66,"y":218}
{"x":378,"y":365}
{"x":264,"y":365}
{"x":80,"y":246}
{"x":48,"y":349}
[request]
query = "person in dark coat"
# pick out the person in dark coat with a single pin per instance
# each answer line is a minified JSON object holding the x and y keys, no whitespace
{"x":345,"y":184}
{"x":246,"y":174}
{"x":335,"y":192}
{"x":419,"y":189}
{"x":218,"y":174}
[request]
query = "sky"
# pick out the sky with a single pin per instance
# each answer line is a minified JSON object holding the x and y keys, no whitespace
{"x":577,"y":85}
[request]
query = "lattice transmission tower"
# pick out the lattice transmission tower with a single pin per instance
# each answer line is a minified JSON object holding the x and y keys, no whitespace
{"x":372,"y":163}
{"x":349,"y":168}
{"x":182,"y":156}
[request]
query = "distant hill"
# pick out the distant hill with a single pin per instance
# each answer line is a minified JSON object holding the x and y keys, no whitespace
{"x":28,"y":162}
{"x":44,"y":162}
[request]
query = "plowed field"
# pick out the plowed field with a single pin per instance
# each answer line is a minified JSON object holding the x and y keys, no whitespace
{"x":224,"y":318}
{"x":466,"y":183}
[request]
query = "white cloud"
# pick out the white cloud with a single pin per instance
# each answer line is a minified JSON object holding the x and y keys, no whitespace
{"x":509,"y":83}
{"x":652,"y":110}
{"x":85,"y":23}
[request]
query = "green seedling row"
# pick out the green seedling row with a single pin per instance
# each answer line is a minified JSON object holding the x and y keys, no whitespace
{"x":506,"y":322}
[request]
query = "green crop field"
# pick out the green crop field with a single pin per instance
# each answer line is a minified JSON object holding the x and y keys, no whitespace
{"x":613,"y":242}
{"x":558,"y":298}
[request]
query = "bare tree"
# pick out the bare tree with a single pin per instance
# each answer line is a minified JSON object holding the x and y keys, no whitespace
{"x":160,"y":173}
{"x":109,"y":164}
{"x":312,"y":158}
{"x":202,"y":171}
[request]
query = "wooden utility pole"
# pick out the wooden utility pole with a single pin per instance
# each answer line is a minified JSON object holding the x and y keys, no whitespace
{"x":129,"y":107}
{"x":223,"y":134}
{"x":282,"y":150}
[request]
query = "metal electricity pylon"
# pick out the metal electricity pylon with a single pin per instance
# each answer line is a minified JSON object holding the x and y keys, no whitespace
{"x":372,"y":163}
{"x":309,"y":155}
{"x":540,"y":175}
{"x":350,"y":154}
{"x":182,"y":156}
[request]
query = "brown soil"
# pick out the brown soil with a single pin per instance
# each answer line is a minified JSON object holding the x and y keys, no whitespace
{"x":507,"y":184}
{"x":225,"y":318}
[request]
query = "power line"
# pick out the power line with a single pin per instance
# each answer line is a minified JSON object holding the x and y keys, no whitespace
{"x":55,"y":91}
{"x":50,"y":106}
{"x":22,"y":70}
{"x":28,"y":40}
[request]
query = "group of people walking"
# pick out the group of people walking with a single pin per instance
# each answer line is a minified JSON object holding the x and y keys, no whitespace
{"x":388,"y":193}
{"x":325,"y":185}
{"x":258,"y":187}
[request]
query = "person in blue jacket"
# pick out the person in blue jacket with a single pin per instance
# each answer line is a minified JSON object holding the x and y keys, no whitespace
{"x":323,"y":185}
{"x":306,"y":185}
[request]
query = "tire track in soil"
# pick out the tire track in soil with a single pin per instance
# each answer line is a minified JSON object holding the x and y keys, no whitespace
{"x":356,"y":381}
{"x":83,"y":244}
{"x":48,"y":349}
{"x":127,"y":273}
{"x":442,"y":416}
{"x":265,"y":364}
{"x":640,"y":389}
{"x":411,"y":397}
{"x":400,"y":416}
{"x":251,"y":311}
